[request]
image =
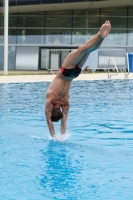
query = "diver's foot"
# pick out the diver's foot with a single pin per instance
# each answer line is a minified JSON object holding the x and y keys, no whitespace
{"x":105,"y":29}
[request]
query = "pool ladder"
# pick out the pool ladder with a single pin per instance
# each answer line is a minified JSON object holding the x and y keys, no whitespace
{"x":111,"y":59}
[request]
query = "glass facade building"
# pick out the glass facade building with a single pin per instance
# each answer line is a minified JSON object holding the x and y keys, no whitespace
{"x":64,"y":28}
{"x":34,"y":2}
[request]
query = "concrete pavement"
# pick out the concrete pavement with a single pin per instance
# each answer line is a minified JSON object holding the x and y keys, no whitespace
{"x":43,"y":78}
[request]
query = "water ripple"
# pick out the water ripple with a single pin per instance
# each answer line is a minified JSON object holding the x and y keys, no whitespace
{"x":97,"y":157}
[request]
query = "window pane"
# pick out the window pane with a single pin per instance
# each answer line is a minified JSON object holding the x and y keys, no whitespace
{"x":1,"y":20}
{"x":130,"y":38}
{"x":53,"y":36}
{"x":82,"y":36}
{"x":52,"y":1}
{"x":85,"y":19}
{"x":115,"y":38}
{"x":11,"y":57}
{"x":57,"y":36}
{"x":13,"y":20}
{"x":79,"y":37}
{"x":116,"y":22}
{"x":12,"y":2}
{"x":58,"y":19}
{"x":81,"y":13}
{"x":118,"y":11}
{"x":90,"y":33}
{"x":1,"y":3}
{"x":31,"y":21}
{"x":89,"y":12}
{"x":59,"y":13}
{"x":79,"y":22}
{"x":93,"y":22}
{"x":67,"y":37}
{"x":1,"y":57}
{"x":93,"y":12}
{"x":12,"y":36}
{"x":2,"y":36}
{"x":30,"y":36}
{"x":130,"y":11}
{"x":70,"y":1}
{"x":130,"y":22}
{"x":28,"y":2}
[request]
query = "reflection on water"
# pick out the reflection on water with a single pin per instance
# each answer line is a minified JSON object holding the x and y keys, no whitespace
{"x":60,"y":173}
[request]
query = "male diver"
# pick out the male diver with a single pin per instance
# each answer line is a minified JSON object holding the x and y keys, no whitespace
{"x":57,"y":95}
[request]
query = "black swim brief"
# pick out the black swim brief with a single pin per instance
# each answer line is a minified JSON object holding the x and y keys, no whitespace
{"x":73,"y":73}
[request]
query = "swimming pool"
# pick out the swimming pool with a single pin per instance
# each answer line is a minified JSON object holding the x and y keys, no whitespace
{"x":95,"y":163}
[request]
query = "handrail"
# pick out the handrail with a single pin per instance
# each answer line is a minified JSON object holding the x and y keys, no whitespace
{"x":115,"y":68}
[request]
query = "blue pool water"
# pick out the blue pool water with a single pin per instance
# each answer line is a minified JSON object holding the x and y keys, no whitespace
{"x":95,"y":163}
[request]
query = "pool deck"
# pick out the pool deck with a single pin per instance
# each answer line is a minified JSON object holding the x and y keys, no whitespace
{"x":49,"y":77}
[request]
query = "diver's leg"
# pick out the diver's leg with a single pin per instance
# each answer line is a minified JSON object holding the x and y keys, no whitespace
{"x":85,"y":57}
{"x":76,"y":56}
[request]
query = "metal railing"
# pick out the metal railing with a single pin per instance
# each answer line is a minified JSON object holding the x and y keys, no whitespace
{"x":118,"y":58}
{"x":111,"y":59}
{"x":55,"y":57}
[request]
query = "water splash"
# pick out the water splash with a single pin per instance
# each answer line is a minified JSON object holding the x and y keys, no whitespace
{"x":60,"y":137}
